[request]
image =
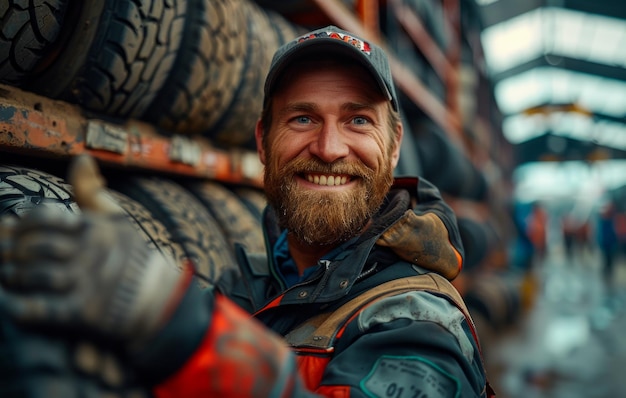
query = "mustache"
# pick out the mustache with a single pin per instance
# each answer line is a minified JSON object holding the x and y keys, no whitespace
{"x":355,"y":168}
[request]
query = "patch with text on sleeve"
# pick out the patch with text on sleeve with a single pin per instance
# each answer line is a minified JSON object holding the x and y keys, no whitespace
{"x":409,"y":377}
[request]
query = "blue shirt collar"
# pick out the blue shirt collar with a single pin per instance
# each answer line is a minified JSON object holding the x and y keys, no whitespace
{"x":287,"y":268}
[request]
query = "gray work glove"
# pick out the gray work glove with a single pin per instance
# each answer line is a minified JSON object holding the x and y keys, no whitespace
{"x":94,"y":276}
{"x":87,"y":272}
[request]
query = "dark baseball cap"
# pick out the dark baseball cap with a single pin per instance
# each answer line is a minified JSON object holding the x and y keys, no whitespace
{"x":332,"y":40}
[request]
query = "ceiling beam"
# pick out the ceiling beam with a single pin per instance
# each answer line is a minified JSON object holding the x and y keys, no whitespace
{"x":567,"y":63}
{"x":597,"y":116}
{"x":503,"y":10}
{"x":549,"y":147}
{"x":609,"y":8}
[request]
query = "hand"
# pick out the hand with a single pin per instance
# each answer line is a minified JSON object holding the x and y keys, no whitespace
{"x":89,"y":272}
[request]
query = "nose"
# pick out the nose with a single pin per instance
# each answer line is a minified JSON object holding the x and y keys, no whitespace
{"x":330,"y":144}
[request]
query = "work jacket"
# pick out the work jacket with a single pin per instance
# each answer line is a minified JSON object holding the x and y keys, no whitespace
{"x":412,"y":344}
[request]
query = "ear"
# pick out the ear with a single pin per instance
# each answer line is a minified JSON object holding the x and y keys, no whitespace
{"x":395,"y":155}
{"x":258,"y":136}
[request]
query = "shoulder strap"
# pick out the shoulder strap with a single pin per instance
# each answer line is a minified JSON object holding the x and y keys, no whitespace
{"x":321,"y":330}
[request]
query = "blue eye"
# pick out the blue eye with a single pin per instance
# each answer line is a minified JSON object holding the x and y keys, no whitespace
{"x":359,"y":120}
{"x":303,"y":119}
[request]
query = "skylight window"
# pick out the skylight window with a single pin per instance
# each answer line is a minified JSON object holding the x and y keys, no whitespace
{"x":520,"y":128}
{"x":553,"y":85}
{"x":555,"y":31}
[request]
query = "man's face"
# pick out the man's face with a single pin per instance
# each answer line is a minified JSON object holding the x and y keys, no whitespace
{"x":329,"y":154}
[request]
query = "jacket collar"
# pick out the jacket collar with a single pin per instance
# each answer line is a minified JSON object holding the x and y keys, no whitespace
{"x":337,"y":275}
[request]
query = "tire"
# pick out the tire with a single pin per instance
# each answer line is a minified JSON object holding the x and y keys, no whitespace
{"x":496,"y":297}
{"x":117,"y":56}
{"x":297,"y":7}
{"x":28,"y":32}
{"x":285,"y":30}
{"x":238,"y":224}
{"x":237,"y":123}
{"x":446,"y":166}
{"x":266,"y":32}
{"x":155,"y":233}
{"x":477,"y":241}
{"x":23,"y":189}
{"x":188,"y":221}
{"x":208,"y":69}
{"x":253,"y":199}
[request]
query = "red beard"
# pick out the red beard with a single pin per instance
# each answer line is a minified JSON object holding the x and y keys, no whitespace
{"x":325,"y":218}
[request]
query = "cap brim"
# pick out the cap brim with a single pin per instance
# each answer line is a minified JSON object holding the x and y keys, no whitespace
{"x":327,"y":47}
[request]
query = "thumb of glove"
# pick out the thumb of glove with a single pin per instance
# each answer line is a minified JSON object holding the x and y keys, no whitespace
{"x":89,"y":187}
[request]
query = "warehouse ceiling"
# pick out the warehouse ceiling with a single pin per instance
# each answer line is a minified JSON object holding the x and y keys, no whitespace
{"x":559,"y":74}
{"x":559,"y":71}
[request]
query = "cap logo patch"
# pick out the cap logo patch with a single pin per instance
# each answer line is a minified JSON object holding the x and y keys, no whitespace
{"x":361,"y":45}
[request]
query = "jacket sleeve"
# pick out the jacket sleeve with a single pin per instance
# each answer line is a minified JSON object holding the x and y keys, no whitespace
{"x":237,"y":357}
{"x":415,"y":344}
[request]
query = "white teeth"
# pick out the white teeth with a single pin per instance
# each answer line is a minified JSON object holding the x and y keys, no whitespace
{"x":327,"y":180}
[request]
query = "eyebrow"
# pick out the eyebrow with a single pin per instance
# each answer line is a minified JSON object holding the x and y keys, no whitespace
{"x":306,"y":107}
{"x":309,"y":107}
{"x":355,"y":106}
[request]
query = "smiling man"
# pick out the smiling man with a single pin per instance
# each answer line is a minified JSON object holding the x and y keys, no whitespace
{"x":347,"y":243}
{"x":329,"y":153}
{"x":355,"y":280}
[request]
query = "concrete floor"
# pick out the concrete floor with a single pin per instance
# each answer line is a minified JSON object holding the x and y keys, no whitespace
{"x":571,"y":342}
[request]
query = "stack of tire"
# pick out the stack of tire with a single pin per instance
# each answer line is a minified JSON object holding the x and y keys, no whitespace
{"x":186,"y":66}
{"x":189,"y":67}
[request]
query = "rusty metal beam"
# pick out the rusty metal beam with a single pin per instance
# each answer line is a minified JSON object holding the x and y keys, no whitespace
{"x":369,"y":15}
{"x":413,"y":25}
{"x":38,"y":126}
{"x":452,"y":13}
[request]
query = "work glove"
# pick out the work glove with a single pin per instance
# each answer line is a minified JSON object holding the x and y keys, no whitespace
{"x":93,"y":275}
{"x":88,"y":272}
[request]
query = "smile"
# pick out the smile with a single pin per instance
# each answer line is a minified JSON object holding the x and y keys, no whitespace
{"x":327,"y":180}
